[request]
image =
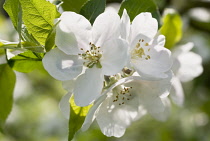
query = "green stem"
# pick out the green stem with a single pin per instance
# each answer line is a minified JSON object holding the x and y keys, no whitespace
{"x":6,"y":55}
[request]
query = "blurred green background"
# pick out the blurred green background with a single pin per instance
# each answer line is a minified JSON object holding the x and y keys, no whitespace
{"x":36,"y":116}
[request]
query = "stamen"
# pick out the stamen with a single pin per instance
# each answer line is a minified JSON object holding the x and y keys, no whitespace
{"x":92,"y":56}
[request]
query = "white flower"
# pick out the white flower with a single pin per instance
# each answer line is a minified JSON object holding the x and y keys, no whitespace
{"x":97,"y":49}
{"x":128,"y":100}
{"x":147,"y":53}
{"x":187,"y":65}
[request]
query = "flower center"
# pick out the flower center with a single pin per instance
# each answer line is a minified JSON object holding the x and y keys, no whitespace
{"x":140,"y":50}
{"x":92,"y":57}
{"x":121,"y":95}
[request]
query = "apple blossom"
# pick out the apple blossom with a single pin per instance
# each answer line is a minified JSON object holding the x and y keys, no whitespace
{"x":128,"y":100}
{"x":187,"y":65}
{"x":148,"y":56}
{"x":96,"y":50}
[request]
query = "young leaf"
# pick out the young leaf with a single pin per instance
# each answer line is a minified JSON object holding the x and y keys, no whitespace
{"x":26,"y":62}
{"x":50,"y":41}
{"x":77,"y":117}
{"x":7,"y":84}
{"x":38,"y":16}
{"x":73,"y":5}
{"x":134,"y":7}
{"x":92,"y":9}
{"x":12,"y":7}
{"x":172,"y":28}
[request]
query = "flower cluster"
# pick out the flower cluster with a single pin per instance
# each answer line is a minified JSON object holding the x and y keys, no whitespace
{"x":122,"y":68}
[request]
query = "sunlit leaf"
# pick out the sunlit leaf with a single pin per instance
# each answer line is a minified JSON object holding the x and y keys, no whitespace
{"x":77,"y":117}
{"x":26,"y":62}
{"x":73,"y":5}
{"x":92,"y":9}
{"x":172,"y":28}
{"x":135,"y":7}
{"x":12,"y":7}
{"x":38,"y":16}
{"x":7,"y":83}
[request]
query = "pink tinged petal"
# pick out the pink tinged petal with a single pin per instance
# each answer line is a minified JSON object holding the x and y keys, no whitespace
{"x":72,"y":33}
{"x":88,"y":87}
{"x":125,"y":25}
{"x":62,"y":66}
{"x":177,"y":93}
{"x":65,"y":106}
{"x":144,"y":24}
{"x":105,"y":27}
{"x":115,"y":55}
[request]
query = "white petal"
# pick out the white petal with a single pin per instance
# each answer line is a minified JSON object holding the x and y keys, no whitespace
{"x":92,"y":113}
{"x":159,"y":63}
{"x":163,"y":116}
{"x":125,"y":25}
{"x":94,"y":110}
{"x":155,"y":87}
{"x":111,"y":123}
{"x":115,"y":55}
{"x":176,"y":65}
{"x":72,"y":33}
{"x":159,"y":40}
{"x":144,"y":24}
{"x":177,"y":93}
{"x":191,"y":66}
{"x":68,"y":85}
{"x":149,"y":94}
{"x":88,"y":87}
{"x":64,"y":105}
{"x":106,"y":27}
{"x":152,"y":104}
{"x":62,"y":66}
{"x":113,"y":119}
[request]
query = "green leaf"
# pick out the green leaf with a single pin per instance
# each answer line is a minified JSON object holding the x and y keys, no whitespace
{"x":26,"y":62}
{"x":50,"y":41}
{"x":12,"y":7}
{"x":38,"y":16}
{"x":77,"y":117}
{"x":92,"y":9}
{"x":73,"y":5}
{"x":172,"y":28}
{"x":7,"y":84}
{"x":135,"y":7}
